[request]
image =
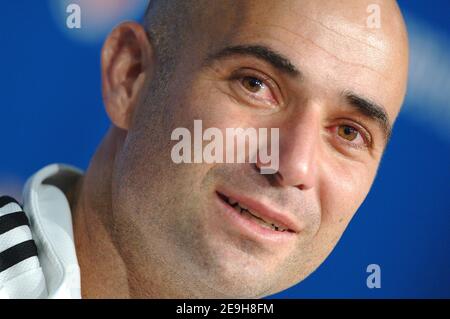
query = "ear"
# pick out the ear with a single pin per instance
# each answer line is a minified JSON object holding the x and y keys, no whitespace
{"x":126,"y":61}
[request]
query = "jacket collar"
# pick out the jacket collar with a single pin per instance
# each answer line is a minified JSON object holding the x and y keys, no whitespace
{"x":50,"y":218}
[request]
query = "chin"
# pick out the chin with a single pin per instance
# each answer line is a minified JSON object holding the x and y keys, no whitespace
{"x":230,"y":273}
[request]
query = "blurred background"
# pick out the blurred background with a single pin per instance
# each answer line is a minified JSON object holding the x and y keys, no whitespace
{"x":51,"y":111}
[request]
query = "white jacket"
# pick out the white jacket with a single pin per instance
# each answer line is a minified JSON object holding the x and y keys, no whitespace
{"x":47,"y":267}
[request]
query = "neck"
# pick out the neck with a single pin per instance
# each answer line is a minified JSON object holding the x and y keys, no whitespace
{"x":103,"y":272}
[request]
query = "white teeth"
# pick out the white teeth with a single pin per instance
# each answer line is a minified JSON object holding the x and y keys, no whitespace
{"x":242,"y":209}
{"x":243,"y":206}
{"x":259,"y":221}
{"x":254,"y":213}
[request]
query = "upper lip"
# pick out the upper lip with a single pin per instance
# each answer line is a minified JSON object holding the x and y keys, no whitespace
{"x":266,"y":210}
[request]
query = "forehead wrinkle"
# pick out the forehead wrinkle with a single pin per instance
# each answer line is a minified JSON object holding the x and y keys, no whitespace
{"x":323,"y":25}
{"x":321,"y":48}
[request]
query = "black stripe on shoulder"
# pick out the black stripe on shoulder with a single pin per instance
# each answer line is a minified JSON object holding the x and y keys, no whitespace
{"x":5,"y":200}
{"x":13,"y":220}
{"x":16,"y":254}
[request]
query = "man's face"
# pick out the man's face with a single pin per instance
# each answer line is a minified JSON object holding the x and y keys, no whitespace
{"x":175,"y":224}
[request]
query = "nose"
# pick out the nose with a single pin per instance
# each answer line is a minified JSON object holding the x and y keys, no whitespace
{"x":299,"y":139}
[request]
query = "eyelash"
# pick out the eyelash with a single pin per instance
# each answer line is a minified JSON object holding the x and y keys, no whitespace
{"x":240,"y":75}
{"x":365,"y":135}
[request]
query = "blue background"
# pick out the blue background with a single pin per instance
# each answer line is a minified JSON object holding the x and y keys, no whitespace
{"x":51,"y":111}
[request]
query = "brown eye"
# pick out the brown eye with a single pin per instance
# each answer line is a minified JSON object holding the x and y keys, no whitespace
{"x":347,"y":132}
{"x":255,"y":89}
{"x":252,"y":84}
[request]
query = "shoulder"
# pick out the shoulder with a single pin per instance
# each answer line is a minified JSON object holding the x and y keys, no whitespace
{"x":19,"y":264}
{"x":37,"y":250}
{"x":16,"y":242}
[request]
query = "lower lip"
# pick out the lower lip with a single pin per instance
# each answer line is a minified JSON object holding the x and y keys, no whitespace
{"x":252,"y":228}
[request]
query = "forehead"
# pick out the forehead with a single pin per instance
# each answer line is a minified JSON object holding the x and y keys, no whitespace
{"x":330,"y":42}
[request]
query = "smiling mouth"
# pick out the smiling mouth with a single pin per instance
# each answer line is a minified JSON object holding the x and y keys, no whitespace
{"x":253,"y":215}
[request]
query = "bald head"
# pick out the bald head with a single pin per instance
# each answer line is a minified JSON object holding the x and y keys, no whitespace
{"x":368,"y":33}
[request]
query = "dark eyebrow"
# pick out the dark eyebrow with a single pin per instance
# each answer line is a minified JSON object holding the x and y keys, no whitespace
{"x":261,"y":52}
{"x":282,"y":63}
{"x":371,"y":110}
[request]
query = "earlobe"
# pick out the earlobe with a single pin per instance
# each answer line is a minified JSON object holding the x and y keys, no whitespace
{"x":126,"y":64}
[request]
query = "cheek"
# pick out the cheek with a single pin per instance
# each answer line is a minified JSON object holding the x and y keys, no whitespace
{"x":344,"y":187}
{"x":210,"y":101}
